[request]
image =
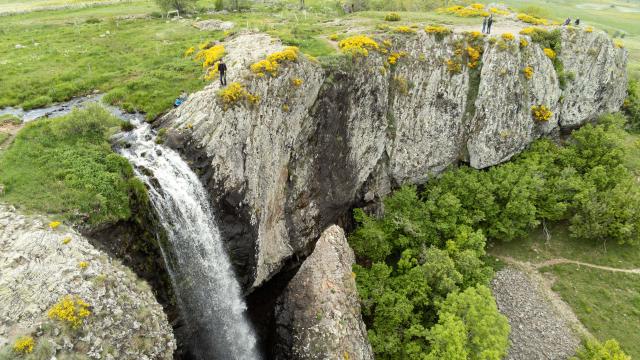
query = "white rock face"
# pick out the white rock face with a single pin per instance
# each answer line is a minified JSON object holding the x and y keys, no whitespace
{"x":319,"y":312}
{"x":281,"y":171}
{"x":38,"y":269}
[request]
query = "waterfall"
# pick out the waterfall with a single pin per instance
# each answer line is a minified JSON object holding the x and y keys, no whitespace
{"x":208,"y":294}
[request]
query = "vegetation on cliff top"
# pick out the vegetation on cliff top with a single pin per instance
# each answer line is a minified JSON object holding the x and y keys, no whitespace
{"x":66,"y":166}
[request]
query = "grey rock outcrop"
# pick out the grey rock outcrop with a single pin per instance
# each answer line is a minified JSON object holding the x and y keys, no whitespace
{"x":40,"y":266}
{"x":281,"y":171}
{"x":318,"y":315}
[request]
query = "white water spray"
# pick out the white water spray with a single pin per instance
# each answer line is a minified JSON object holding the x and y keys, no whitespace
{"x":207,"y":291}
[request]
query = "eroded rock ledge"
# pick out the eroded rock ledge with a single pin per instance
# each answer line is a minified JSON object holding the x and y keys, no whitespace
{"x":283,"y":170}
{"x":40,"y":266}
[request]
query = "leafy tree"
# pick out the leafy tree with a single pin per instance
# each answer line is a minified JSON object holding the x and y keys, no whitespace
{"x":631,"y":104}
{"x":181,"y":5}
{"x":482,"y":332}
{"x":595,"y":350}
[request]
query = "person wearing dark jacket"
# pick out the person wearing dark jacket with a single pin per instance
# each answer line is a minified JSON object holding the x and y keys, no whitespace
{"x":577,"y":22}
{"x":484,"y":24}
{"x":489,"y":23}
{"x":567,"y":22}
{"x":222,"y":69}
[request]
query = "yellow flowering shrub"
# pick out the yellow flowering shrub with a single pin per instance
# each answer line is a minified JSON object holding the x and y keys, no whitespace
{"x":210,"y":56}
{"x":403,"y":30}
{"x":394,"y":57}
{"x":24,"y":345}
{"x":531,"y":30}
{"x":234,"y":94}
{"x":273,"y":61}
{"x":477,"y":6}
{"x":297,"y":82}
{"x":358,"y":45}
{"x":212,"y":72}
{"x":333,"y":37}
{"x":392,"y":16}
{"x":437,"y":29}
{"x":532,"y":19}
{"x":523,"y":43}
{"x":387,"y":43}
{"x":508,"y":36}
{"x":66,"y":240}
{"x":454,"y":67}
{"x":541,"y":113}
{"x":498,"y":11}
{"x":189,"y":51}
{"x":54,"y":225}
{"x":475,"y":34}
{"x":528,"y":72}
{"x":70,"y":310}
{"x":474,"y":56}
{"x":550,"y":53}
{"x":618,"y":44}
{"x":83,"y":264}
{"x":588,"y":29}
{"x":461,"y":11}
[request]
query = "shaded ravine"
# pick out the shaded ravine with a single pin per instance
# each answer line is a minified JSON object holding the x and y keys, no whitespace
{"x":207,"y":291}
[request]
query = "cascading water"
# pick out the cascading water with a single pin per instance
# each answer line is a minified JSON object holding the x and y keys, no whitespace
{"x":207,"y":291}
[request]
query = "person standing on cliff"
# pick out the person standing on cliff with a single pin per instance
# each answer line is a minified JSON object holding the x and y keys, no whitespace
{"x":567,"y":22}
{"x":222,"y":69}
{"x":489,"y":23}
{"x":484,"y":24}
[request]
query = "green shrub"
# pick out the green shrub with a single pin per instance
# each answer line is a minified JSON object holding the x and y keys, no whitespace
{"x":631,"y":105}
{"x":181,"y":5}
{"x":392,"y":17}
{"x":65,"y":166}
{"x":595,"y":350}
{"x":9,"y":119}
{"x":93,"y":20}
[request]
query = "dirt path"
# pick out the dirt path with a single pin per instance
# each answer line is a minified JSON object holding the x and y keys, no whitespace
{"x":12,"y":130}
{"x":559,"y":261}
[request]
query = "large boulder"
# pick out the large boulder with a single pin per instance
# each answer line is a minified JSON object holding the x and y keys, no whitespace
{"x":42,"y":266}
{"x":281,"y":171}
{"x":318,"y":314}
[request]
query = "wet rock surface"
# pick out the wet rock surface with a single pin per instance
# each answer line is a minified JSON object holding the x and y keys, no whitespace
{"x":318,"y":315}
{"x":40,"y":266}
{"x":281,"y":171}
{"x":538,"y":332}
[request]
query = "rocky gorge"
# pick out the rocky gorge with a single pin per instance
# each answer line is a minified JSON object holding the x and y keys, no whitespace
{"x":280,"y":171}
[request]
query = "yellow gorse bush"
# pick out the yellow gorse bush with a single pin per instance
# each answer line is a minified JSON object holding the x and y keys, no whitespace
{"x":588,"y":29}
{"x":508,"y":36}
{"x":189,"y":51}
{"x":234,"y":94}
{"x":476,"y":34}
{"x":531,"y":30}
{"x":498,"y":11}
{"x":273,"y":61}
{"x":464,"y":11}
{"x":210,"y":56}
{"x":618,"y":44}
{"x":541,"y":113}
{"x":394,"y":57}
{"x":528,"y":72}
{"x":333,"y":37}
{"x":297,"y":82}
{"x":453,"y":66}
{"x":66,"y":240}
{"x":358,"y":45}
{"x":70,"y":310}
{"x":523,"y":42}
{"x":532,"y":19}
{"x":474,"y":56}
{"x":477,"y":6}
{"x":83,"y":264}
{"x":437,"y":29}
{"x":403,"y":30}
{"x":550,"y":53}
{"x":54,"y":225}
{"x":24,"y":345}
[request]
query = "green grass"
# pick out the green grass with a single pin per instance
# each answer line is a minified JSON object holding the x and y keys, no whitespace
{"x":65,"y":167}
{"x":607,"y":303}
{"x":3,"y":137}
{"x":9,"y":119}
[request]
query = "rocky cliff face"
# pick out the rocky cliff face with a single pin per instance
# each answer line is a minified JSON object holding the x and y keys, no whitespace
{"x":41,"y":266}
{"x":281,"y":171}
{"x":318,"y":315}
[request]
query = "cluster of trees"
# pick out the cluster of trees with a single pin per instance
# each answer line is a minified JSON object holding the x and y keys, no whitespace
{"x":426,"y":253}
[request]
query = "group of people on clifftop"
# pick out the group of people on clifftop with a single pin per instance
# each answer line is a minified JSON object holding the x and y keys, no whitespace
{"x":487,"y":22}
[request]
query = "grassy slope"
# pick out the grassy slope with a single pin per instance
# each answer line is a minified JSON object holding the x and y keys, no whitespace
{"x":65,"y":166}
{"x":607,"y":303}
